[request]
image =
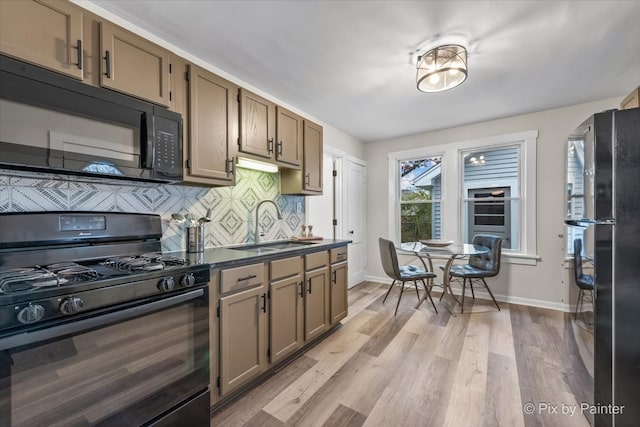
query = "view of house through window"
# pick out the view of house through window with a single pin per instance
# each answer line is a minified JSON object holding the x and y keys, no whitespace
{"x":420,"y":199}
{"x":491,"y":195}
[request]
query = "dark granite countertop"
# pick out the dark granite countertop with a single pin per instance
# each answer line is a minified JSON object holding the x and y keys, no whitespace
{"x":224,"y":256}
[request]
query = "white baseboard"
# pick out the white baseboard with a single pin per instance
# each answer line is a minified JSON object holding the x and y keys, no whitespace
{"x":502,"y":298}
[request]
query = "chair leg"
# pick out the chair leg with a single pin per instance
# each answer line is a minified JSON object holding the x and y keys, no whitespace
{"x":387,"y":294}
{"x":426,"y":289}
{"x":464,"y":286}
{"x":490,"y":293}
{"x":473,"y":295}
{"x":581,"y":299}
{"x":415,"y":283}
{"x":399,"y":298}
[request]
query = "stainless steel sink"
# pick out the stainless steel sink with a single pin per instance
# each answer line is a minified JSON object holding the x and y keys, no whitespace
{"x":271,"y":246}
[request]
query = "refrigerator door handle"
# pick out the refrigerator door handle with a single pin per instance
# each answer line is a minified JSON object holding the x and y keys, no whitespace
{"x":585,"y":222}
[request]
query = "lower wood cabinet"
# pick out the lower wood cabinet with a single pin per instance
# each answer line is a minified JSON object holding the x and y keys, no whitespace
{"x":317,"y":295}
{"x":339,"y":302}
{"x":339,"y":281}
{"x":243,"y":321}
{"x":286,"y":300}
{"x":263,"y":321}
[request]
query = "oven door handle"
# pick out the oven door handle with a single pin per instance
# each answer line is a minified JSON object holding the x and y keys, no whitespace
{"x":27,"y":338}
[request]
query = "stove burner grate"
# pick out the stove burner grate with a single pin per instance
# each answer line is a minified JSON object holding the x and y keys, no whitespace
{"x":22,"y":279}
{"x":145,"y":262}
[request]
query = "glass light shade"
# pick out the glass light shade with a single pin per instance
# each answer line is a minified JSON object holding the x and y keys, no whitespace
{"x":442,"y":68}
{"x":256,"y":165}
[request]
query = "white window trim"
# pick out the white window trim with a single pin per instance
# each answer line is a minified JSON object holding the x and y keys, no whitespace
{"x":452,"y":188}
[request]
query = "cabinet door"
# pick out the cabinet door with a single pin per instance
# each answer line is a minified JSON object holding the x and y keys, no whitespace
{"x":339,"y":301}
{"x":316,"y":309}
{"x":287,"y":305}
{"x":134,"y":65}
{"x":257,"y":125}
{"x":289,"y":138}
{"x":212,"y":121}
{"x":312,"y":157}
{"x":45,"y":33}
{"x":242,"y":338}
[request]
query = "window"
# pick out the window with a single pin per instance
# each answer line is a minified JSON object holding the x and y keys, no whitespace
{"x":454,"y":190}
{"x":420,"y":199}
{"x":490,"y":194}
{"x":575,"y":190}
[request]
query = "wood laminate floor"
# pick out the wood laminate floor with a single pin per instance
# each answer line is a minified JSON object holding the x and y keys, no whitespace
{"x":424,"y":369}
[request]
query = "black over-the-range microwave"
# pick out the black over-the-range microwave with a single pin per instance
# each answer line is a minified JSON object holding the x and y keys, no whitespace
{"x":53,"y":123}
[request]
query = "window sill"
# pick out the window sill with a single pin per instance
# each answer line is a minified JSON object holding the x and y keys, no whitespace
{"x":520,"y":259}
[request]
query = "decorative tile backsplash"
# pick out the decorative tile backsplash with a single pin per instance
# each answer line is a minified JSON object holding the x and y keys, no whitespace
{"x":233,"y":208}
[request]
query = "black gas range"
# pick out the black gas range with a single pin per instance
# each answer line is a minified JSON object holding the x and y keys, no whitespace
{"x":70,"y":281}
{"x":58,"y":264}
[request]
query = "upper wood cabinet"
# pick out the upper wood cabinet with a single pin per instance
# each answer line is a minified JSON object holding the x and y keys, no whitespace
{"x":288,"y":138}
{"x":257,"y":125}
{"x":307,"y":181}
{"x":632,"y":100}
{"x":45,"y":33}
{"x":212,"y":121}
{"x":134,"y":65}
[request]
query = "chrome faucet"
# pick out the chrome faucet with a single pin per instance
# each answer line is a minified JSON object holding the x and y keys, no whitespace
{"x":257,"y":232}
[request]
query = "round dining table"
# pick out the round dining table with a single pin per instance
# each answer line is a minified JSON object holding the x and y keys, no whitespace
{"x":450,"y":253}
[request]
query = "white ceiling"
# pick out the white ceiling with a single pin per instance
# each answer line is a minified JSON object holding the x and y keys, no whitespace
{"x":347,"y":62}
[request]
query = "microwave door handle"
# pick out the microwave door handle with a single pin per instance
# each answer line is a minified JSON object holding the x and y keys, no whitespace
{"x":75,"y":327}
{"x":146,"y":143}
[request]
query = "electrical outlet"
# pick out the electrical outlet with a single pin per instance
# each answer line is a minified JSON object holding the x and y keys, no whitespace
{"x":298,"y":207}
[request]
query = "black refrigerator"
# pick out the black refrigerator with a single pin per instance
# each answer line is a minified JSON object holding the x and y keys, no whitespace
{"x":611,"y":142}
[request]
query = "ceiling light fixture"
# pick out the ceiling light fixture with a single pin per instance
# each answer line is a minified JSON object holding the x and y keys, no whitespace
{"x":442,"y":68}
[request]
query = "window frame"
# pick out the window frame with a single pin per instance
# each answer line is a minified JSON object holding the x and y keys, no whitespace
{"x":453,"y":182}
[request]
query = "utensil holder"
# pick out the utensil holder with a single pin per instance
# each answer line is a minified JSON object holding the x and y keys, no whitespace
{"x":195,"y":238}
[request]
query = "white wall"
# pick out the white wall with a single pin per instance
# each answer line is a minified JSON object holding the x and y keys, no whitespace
{"x":544,"y":283}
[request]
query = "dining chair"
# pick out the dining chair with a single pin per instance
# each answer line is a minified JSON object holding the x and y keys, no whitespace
{"x":480,"y":266}
{"x":583,"y":281}
{"x":406,"y":273}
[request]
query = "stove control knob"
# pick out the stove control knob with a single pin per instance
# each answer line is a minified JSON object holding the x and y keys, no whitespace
{"x":166,"y":284}
{"x":31,"y":314}
{"x":71,"y":305}
{"x":188,"y":280}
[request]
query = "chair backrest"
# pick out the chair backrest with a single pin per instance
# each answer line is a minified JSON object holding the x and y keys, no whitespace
{"x":489,"y":261}
{"x":577,"y":258}
{"x":389,"y":258}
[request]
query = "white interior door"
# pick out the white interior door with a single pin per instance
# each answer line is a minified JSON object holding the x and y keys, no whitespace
{"x":321,"y":209}
{"x":354,"y":202}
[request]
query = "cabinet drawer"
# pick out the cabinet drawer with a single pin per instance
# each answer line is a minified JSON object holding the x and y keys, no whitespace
{"x":338,"y":254}
{"x":236,"y":279}
{"x":286,"y":267}
{"x":316,"y":260}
